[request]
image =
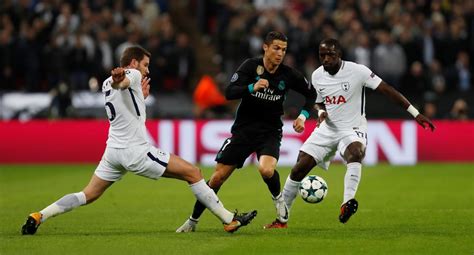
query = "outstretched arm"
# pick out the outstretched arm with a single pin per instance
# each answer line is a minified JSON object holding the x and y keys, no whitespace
{"x":119,"y":80}
{"x":397,"y":97}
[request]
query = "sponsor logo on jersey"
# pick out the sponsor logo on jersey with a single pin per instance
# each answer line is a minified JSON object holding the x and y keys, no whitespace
{"x":345,"y":86}
{"x":335,"y":100}
{"x":267,"y":94}
{"x":234,"y":77}
{"x":260,"y":70}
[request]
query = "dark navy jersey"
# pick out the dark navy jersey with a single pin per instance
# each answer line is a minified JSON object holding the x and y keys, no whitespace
{"x":262,"y":110}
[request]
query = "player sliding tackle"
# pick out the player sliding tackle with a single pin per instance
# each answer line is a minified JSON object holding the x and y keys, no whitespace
{"x":128,"y":150}
{"x":340,"y":87}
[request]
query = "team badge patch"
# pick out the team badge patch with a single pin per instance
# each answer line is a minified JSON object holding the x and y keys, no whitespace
{"x":260,"y":70}
{"x":234,"y":77}
{"x":281,"y":85}
{"x":345,"y":86}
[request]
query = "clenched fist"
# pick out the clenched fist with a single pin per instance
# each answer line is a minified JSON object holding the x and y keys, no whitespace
{"x":118,"y":74}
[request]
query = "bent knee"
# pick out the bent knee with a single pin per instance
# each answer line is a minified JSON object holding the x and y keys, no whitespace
{"x":194,"y":174}
{"x":355,"y":156}
{"x":266,"y":172}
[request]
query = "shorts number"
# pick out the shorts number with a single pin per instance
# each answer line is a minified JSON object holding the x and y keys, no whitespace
{"x":361,"y":134}
{"x":110,"y":109}
{"x":227,"y":142}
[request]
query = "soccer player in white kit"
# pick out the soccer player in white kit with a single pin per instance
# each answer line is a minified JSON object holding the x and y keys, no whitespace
{"x":127,"y":149}
{"x":340,"y":87}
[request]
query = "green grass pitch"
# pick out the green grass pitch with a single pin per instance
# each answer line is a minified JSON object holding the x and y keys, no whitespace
{"x":423,"y":209}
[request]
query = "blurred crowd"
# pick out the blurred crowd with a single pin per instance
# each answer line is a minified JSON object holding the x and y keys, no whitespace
{"x":421,"y":47}
{"x":424,"y":48}
{"x":73,"y":44}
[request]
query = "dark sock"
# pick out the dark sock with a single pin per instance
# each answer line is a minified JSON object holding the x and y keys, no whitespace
{"x":273,"y":183}
{"x":199,"y":207}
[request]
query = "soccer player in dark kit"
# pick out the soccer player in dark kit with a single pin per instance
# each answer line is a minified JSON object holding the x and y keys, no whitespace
{"x":261,"y":84}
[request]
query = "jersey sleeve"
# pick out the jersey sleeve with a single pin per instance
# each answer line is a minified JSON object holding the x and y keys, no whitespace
{"x":314,"y":75}
{"x":134,"y":76}
{"x":302,"y":86}
{"x":241,"y":83}
{"x":369,"y":78}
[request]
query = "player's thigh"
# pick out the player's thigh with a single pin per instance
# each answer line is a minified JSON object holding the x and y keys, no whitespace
{"x":269,"y":146}
{"x":321,"y":145}
{"x":110,"y":167}
{"x":235,"y":151}
{"x":353,"y":144}
{"x":147,"y":161}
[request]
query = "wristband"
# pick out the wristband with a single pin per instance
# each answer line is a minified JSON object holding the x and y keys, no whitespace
{"x":250,"y":87}
{"x":301,"y":116}
{"x":320,"y":112}
{"x":304,"y":115}
{"x":413,"y":111}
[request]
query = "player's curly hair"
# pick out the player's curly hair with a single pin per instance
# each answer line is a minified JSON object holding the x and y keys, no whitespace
{"x":133,"y":52}
{"x":275,"y":35}
{"x":332,"y":42}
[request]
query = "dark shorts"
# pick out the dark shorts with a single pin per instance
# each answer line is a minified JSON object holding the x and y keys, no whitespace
{"x":236,"y":149}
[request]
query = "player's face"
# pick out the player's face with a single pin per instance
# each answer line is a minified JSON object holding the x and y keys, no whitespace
{"x":275,"y":52}
{"x":143,"y":66}
{"x":330,"y":58}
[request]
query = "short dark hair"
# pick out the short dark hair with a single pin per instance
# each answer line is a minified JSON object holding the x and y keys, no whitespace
{"x":275,"y":35}
{"x":133,"y":52}
{"x":332,"y":42}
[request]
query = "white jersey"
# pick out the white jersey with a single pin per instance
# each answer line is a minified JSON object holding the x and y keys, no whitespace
{"x":126,"y":112}
{"x":344,"y":94}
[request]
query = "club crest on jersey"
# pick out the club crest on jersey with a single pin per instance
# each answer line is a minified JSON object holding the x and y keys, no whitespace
{"x":281,"y":85}
{"x":234,"y":77}
{"x":345,"y":86}
{"x":260,"y":70}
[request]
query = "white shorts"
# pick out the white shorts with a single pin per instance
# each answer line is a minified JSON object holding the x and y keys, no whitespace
{"x":323,"y":143}
{"x":143,"y":160}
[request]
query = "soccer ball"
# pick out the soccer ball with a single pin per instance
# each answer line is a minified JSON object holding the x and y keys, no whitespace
{"x":313,"y":189}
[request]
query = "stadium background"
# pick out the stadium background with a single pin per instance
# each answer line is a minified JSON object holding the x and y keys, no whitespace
{"x":55,"y":55}
{"x":416,"y":191}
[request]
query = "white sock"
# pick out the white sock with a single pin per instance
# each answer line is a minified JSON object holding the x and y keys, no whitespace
{"x":351,"y":180}
{"x":289,"y":191}
{"x":64,"y":204}
{"x":207,"y":197}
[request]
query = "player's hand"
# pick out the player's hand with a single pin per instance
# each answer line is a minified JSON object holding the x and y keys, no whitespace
{"x":118,"y":74}
{"x":260,"y":84}
{"x":146,"y":87}
{"x":298,"y":125}
{"x":425,"y":122}
{"x":322,"y":117}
